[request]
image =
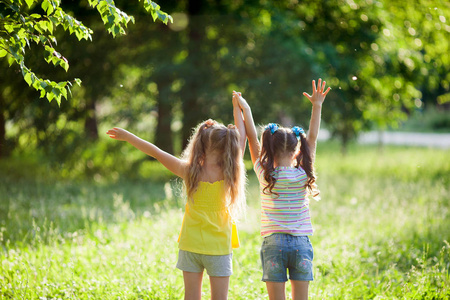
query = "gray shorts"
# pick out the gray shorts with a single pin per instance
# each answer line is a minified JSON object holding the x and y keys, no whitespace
{"x":215,"y":265}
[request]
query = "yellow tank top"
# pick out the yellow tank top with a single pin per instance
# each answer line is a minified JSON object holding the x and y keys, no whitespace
{"x":207,"y":226}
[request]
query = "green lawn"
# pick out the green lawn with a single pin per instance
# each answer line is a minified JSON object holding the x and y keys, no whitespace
{"x":381,"y":232}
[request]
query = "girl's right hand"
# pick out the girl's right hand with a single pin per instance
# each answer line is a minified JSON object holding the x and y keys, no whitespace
{"x":319,"y":93}
{"x":118,"y":134}
{"x":241,"y":101}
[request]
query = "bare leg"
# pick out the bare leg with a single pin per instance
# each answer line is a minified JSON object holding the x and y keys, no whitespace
{"x":219,"y":287}
{"x":276,"y":290}
{"x":192,"y":285}
{"x":299,"y":289}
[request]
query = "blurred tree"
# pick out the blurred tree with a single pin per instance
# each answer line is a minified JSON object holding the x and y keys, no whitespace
{"x":93,"y":62}
{"x":372,"y":54}
{"x":416,"y":37}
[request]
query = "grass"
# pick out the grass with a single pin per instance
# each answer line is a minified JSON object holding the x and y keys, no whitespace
{"x":381,"y":232}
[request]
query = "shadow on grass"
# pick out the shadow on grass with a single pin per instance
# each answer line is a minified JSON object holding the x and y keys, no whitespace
{"x":33,"y":210}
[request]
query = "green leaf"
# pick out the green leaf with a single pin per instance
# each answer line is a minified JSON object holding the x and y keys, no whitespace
{"x":50,"y":96}
{"x":36,"y":82}
{"x":64,"y":92}
{"x":58,"y":100}
{"x":29,"y":3}
{"x":111,"y":19}
{"x":9,"y":28}
{"x":51,"y":7}
{"x":44,"y":25}
{"x":93,"y":3}
{"x":43,"y":39}
{"x":11,"y":60}
{"x":69,"y":19}
{"x":154,"y":16}
{"x":28,"y":79}
{"x":50,"y":26}
{"x":64,"y":65}
{"x":62,"y":84}
{"x":56,"y":91}
{"x":45,"y":6}
{"x":3,"y":52}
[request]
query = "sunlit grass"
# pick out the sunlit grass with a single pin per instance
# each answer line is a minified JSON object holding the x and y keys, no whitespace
{"x":381,"y":232}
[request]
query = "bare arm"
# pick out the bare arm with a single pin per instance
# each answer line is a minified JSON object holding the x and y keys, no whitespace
{"x":172,"y":163}
{"x":239,"y":121}
{"x":317,"y":98}
{"x":252,"y":135}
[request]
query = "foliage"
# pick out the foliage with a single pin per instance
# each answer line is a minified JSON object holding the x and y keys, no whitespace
{"x":383,"y":60}
{"x":25,"y":21}
{"x":376,"y":235}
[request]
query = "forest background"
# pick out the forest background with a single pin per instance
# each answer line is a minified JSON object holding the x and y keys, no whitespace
{"x":385,"y":61}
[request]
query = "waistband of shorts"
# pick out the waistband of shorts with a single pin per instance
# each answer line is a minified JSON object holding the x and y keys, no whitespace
{"x":283,"y":238}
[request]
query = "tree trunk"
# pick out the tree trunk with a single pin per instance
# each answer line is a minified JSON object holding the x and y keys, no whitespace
{"x":90,"y":123}
{"x":163,"y":135}
{"x":3,"y":151}
{"x":191,"y":109}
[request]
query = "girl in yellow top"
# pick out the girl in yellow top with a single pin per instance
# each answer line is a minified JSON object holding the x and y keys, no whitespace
{"x":214,"y":176}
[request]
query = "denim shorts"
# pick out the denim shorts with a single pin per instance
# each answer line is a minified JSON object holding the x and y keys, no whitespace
{"x":281,"y":252}
{"x":215,"y":265}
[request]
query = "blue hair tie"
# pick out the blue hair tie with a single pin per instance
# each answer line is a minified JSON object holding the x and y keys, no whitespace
{"x":272,"y":126}
{"x":297,"y":130}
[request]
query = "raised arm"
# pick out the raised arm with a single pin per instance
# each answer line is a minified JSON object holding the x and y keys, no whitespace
{"x":317,"y":98}
{"x":252,"y":135}
{"x":239,"y":121}
{"x":172,"y":163}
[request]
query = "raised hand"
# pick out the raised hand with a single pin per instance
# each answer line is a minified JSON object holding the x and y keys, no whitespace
{"x":235,"y":98}
{"x":118,"y":134}
{"x":241,"y":101}
{"x":319,"y":93}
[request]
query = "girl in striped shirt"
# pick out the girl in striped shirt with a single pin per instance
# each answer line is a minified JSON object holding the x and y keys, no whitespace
{"x":284,"y":165}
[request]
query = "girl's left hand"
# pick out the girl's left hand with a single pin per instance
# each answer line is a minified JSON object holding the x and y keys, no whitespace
{"x":118,"y":134}
{"x":319,"y":93}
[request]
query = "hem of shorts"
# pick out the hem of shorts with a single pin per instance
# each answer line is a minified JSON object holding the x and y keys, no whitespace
{"x":187,"y":271}
{"x":205,"y":253}
{"x":267,"y":280}
{"x":312,"y":279}
{"x":204,"y":270}
{"x":219,"y":275}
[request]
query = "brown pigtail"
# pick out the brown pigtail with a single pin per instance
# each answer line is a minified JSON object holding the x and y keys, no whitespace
{"x":304,"y":159}
{"x":268,"y":159}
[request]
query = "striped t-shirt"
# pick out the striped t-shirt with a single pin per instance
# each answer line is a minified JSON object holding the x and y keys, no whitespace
{"x":289,"y":211}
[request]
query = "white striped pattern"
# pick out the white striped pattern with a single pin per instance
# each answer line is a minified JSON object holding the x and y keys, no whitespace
{"x":289,"y":211}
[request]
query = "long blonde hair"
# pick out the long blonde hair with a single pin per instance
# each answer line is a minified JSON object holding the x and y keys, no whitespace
{"x":213,"y":136}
